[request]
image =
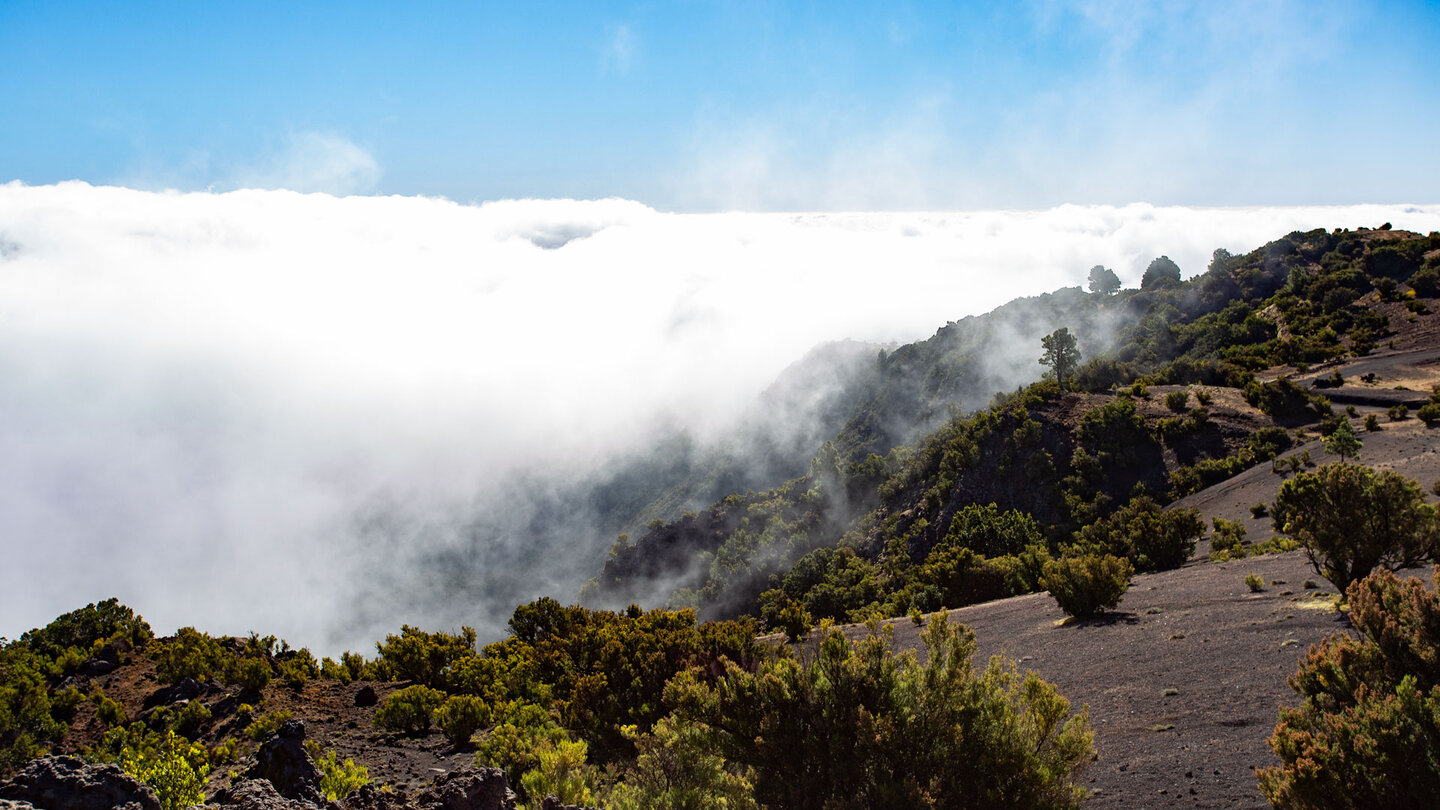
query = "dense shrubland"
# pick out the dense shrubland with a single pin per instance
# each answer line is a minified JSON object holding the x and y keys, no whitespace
{"x":629,"y":710}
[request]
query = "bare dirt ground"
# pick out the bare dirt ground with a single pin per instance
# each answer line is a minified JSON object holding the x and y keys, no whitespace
{"x":1183,"y":681}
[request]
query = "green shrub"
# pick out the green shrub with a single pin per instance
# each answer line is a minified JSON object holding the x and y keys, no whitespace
{"x":561,"y":770}
{"x":339,"y":779}
{"x":1177,"y":401}
{"x":1399,"y":412}
{"x":1204,"y":397}
{"x":1254,"y":583}
{"x":1259,"y":510}
{"x":1152,"y":538}
{"x":422,"y":657}
{"x":861,"y":727}
{"x":409,"y":710}
{"x":794,"y":620}
{"x":677,"y":767}
{"x":1351,"y":519}
{"x":251,"y":674}
{"x":1429,"y":413}
{"x":173,"y":767}
{"x":1228,"y":541}
{"x":1087,"y":585}
{"x":190,"y":654}
{"x":110,"y":712}
{"x":1367,"y":729}
{"x":1372,"y":422}
{"x":89,"y":627}
{"x":297,"y":668}
{"x":512,"y":744}
{"x":265,"y":725}
{"x":460,"y":716}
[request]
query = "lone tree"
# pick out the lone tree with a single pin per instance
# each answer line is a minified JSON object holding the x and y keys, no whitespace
{"x":1351,"y":520}
{"x":1343,"y":442}
{"x":1161,"y":273}
{"x":1103,"y":280}
{"x":1060,"y":353}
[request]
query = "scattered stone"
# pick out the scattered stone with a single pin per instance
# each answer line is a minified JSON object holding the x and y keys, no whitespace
{"x":70,"y":783}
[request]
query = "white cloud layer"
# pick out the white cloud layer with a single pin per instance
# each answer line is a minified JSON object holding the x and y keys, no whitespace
{"x":201,"y":394}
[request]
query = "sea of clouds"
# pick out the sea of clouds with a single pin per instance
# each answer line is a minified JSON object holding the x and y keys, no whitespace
{"x":204,"y":397}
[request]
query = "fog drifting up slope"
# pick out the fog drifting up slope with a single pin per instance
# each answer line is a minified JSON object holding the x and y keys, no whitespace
{"x":283,"y":412}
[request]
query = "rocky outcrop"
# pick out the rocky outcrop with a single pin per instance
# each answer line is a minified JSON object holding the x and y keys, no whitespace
{"x":484,"y":789}
{"x":256,"y":794}
{"x":283,"y":762}
{"x":68,"y":783}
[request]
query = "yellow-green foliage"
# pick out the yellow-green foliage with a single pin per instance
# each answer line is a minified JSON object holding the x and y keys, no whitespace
{"x":460,"y":716}
{"x":174,"y":767}
{"x":678,"y":767}
{"x":190,"y":654}
{"x":265,"y":725}
{"x":110,"y":712}
{"x":338,"y":778}
{"x":1367,"y":730}
{"x":561,"y":771}
{"x":1086,"y":585}
{"x":512,"y":743}
{"x":422,"y":657}
{"x":410,"y":710}
{"x":860,"y":727}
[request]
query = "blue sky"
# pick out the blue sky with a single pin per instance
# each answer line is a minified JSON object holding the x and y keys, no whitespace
{"x":733,"y":105}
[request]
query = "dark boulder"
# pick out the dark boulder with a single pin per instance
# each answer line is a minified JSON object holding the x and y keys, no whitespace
{"x":187,"y":689}
{"x":68,"y":783}
{"x":365,"y":696}
{"x":283,"y":761}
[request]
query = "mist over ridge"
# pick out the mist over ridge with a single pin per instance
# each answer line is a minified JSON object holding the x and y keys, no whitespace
{"x":300,"y":413}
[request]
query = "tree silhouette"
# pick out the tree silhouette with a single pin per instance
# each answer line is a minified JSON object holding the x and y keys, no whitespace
{"x":1060,"y":353}
{"x":1103,"y":280}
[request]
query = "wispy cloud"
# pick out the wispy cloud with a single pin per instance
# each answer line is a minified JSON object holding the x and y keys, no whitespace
{"x":310,"y":162}
{"x":621,"y":49}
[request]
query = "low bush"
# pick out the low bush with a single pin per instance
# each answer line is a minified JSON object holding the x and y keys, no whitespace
{"x":1087,"y":585}
{"x":190,"y":654}
{"x":1351,"y":519}
{"x":338,"y":778}
{"x":265,"y":725}
{"x":1367,"y":730}
{"x":172,"y":766}
{"x":1177,"y":401}
{"x":862,"y":727}
{"x":1429,"y":413}
{"x":1153,"y":539}
{"x":460,"y":716}
{"x":410,"y":710}
{"x":1254,"y":583}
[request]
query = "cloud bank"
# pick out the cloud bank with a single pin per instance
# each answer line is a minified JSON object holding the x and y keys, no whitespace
{"x":229,"y":409}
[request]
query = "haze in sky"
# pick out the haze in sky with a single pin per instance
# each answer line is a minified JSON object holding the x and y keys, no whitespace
{"x":734,"y":105}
